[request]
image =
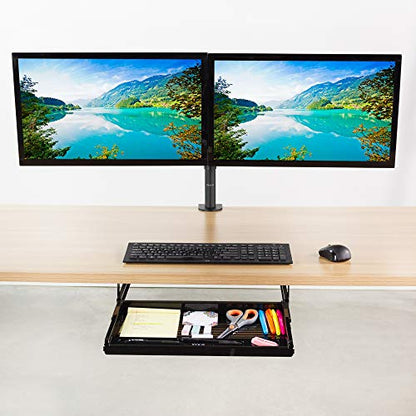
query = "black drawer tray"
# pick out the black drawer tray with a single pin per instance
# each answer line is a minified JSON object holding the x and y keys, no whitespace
{"x":238,"y":343}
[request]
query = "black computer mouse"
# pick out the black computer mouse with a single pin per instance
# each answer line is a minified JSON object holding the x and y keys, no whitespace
{"x":335,"y":252}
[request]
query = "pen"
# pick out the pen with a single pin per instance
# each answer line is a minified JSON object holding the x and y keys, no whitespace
{"x":281,"y":322}
{"x":263,"y":322}
{"x":270,"y":323}
{"x":275,"y":321}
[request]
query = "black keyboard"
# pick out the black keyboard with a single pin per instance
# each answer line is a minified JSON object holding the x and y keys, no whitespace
{"x":202,"y":253}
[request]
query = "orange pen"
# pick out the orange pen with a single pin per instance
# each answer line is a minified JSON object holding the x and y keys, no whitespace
{"x":270,"y":322}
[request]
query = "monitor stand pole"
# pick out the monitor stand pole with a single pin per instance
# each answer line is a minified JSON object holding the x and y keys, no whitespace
{"x":210,"y":204}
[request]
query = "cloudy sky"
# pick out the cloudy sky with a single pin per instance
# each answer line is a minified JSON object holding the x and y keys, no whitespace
{"x":262,"y":81}
{"x":74,"y":79}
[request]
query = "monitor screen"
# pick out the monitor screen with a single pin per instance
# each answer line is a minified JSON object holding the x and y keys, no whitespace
{"x":316,"y":110}
{"x":109,"y":108}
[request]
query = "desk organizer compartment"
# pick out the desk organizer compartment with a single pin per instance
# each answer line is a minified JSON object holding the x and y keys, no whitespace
{"x":238,"y":343}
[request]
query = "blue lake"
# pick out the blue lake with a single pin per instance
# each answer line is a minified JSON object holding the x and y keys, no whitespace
{"x":327,"y":134}
{"x":139,"y":133}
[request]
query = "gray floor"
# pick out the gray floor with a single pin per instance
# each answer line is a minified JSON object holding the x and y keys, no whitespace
{"x":355,"y":355}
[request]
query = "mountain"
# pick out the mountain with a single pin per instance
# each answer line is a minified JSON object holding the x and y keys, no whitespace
{"x":57,"y":105}
{"x":242,"y":102}
{"x":140,"y":93}
{"x":82,"y":101}
{"x":247,"y":109}
{"x":51,"y":101}
{"x":273,"y":103}
{"x":340,"y":94}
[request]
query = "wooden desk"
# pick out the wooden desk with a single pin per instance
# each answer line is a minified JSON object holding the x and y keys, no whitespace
{"x":86,"y":244}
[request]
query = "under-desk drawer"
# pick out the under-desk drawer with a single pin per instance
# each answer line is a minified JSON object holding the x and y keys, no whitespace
{"x":238,"y":343}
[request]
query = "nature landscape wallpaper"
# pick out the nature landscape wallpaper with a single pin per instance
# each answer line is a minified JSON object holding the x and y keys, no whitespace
{"x":303,"y":110}
{"x":111,"y":108}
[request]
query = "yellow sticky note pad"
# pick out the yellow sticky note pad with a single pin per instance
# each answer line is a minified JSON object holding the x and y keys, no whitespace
{"x":151,"y":323}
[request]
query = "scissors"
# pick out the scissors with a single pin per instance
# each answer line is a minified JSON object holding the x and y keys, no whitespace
{"x":239,"y":319}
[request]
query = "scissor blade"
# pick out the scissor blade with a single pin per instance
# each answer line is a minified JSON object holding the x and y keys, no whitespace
{"x":228,"y":331}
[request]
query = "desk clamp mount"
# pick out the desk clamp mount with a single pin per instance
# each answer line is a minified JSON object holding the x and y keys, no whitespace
{"x":210,"y":191}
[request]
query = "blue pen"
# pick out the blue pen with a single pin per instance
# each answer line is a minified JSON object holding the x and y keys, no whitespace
{"x":263,"y":322}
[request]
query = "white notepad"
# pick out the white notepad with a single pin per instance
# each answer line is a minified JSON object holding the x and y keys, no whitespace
{"x":151,"y":323}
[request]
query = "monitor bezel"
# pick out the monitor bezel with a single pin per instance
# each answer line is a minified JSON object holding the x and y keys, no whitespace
{"x":111,"y":55}
{"x":397,"y":58}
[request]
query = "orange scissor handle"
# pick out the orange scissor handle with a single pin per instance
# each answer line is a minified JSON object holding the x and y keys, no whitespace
{"x":232,"y":314}
{"x":250,"y":314}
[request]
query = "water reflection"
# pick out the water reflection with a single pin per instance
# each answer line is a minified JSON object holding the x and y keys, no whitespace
{"x":339,"y":122}
{"x":151,"y":121}
{"x":139,"y":133}
{"x":327,"y":134}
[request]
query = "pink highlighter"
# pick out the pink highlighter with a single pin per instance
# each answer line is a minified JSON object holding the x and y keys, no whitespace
{"x":281,"y":322}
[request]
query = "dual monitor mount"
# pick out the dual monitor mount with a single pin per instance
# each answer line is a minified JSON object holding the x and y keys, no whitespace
{"x":210,"y":199}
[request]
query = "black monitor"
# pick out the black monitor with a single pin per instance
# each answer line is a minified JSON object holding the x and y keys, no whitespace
{"x":207,"y":109}
{"x":110,"y":108}
{"x":304,"y":110}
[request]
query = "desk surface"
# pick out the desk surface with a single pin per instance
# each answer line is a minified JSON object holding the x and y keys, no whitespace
{"x":87,"y":244}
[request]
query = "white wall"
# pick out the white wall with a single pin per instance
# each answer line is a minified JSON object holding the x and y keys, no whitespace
{"x":303,"y":26}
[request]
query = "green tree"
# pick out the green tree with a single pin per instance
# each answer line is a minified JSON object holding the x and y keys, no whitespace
{"x":377,"y":94}
{"x":186,"y":140}
{"x":186,"y":94}
{"x":38,"y":142}
{"x":130,"y":102}
{"x":228,"y":137}
{"x":104,"y":153}
{"x":295,"y":154}
{"x":375,"y":141}
{"x":319,"y":104}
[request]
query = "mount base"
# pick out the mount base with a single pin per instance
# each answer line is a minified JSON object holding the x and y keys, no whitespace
{"x":203,"y":207}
